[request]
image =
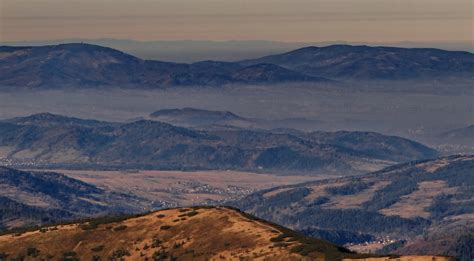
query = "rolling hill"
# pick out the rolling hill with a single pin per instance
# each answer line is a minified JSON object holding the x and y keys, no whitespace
{"x":35,"y":142}
{"x":212,"y":233}
{"x":85,"y":65}
{"x":32,"y":198}
{"x":373,"y":63}
{"x":418,"y":207}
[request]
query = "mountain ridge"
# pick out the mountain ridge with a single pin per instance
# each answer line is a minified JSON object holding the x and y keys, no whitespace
{"x":148,"y":144}
{"x":85,"y":65}
{"x":414,"y":207}
{"x":79,"y":64}
{"x":178,"y":233}
{"x":364,"y":62}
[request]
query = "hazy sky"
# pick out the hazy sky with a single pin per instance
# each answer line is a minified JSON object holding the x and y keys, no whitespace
{"x":282,"y":20}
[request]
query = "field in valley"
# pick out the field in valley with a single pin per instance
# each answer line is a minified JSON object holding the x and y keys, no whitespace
{"x":181,"y":188}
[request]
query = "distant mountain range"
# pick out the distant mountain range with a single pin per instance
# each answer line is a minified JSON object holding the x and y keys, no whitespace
{"x":85,"y":65}
{"x":191,"y":117}
{"x":189,"y":51}
{"x":32,"y":198}
{"x":366,"y":63}
{"x":47,"y":140}
{"x":422,"y":207}
{"x":81,"y":65}
{"x":208,"y":119}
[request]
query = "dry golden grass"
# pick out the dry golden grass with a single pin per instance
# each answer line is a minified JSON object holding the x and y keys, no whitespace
{"x":367,"y":248}
{"x":202,"y":234}
{"x":416,"y":203}
{"x":276,"y":191}
{"x":319,"y":191}
{"x":356,"y":200}
{"x":210,"y":233}
{"x":432,"y":166}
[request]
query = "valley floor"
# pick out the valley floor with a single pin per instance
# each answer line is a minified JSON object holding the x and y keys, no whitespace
{"x":184,"y":188}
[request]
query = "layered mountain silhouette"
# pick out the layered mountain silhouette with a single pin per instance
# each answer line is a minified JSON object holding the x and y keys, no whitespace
{"x":47,"y":140}
{"x":85,"y":65}
{"x":91,"y":65}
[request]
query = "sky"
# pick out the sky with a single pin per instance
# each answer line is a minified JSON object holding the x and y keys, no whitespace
{"x":221,"y":20}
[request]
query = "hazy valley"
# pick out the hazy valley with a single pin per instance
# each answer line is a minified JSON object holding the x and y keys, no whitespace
{"x":369,"y":148}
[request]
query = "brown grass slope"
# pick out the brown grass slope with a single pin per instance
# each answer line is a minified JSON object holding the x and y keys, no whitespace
{"x":211,"y":233}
